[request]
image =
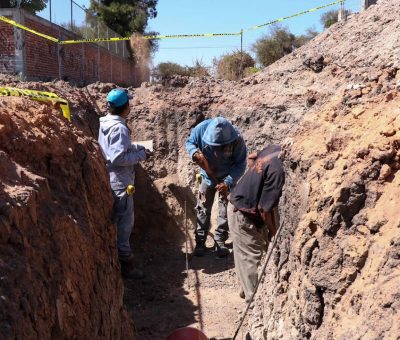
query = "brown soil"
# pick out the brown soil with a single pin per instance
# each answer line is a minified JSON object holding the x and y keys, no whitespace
{"x":334,"y":104}
{"x":59,"y":271}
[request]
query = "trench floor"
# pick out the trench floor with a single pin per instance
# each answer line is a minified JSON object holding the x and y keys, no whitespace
{"x":207,"y":299}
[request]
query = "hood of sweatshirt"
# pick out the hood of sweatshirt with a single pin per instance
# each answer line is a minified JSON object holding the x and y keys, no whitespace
{"x":108,"y":121}
{"x":220,"y":132}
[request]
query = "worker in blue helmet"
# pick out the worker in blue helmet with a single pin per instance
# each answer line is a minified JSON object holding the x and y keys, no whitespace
{"x":121,"y":155}
{"x":219,"y":149}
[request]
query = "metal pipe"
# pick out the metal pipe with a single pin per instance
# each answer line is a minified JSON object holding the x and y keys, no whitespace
{"x":186,"y":249}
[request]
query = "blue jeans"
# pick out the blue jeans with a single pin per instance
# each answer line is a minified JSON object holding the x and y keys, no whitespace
{"x":205,"y":200}
{"x":124,"y":219}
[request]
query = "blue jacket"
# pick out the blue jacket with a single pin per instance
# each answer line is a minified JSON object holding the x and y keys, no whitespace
{"x":119,"y":152}
{"x":223,"y":147}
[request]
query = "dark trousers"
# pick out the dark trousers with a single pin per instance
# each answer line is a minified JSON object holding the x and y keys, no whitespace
{"x":205,"y":200}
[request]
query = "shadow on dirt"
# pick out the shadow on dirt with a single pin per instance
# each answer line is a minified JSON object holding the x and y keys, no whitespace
{"x":159,"y":303}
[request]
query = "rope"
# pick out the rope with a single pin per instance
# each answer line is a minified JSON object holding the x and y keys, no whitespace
{"x":259,"y":280}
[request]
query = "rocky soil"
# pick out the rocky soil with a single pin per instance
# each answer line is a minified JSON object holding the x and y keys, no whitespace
{"x":59,"y":273}
{"x":334,"y":104}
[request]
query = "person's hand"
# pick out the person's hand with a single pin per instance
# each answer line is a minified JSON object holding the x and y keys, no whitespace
{"x":267,"y":218}
{"x":271,"y":232}
{"x":251,"y":159}
{"x":201,"y":160}
{"x":223,"y":189}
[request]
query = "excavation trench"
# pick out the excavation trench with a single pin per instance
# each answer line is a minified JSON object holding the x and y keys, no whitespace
{"x":334,"y":273}
{"x":207,"y":297}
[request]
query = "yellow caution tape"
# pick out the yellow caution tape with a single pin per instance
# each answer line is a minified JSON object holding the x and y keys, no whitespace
{"x":39,"y":96}
{"x":295,"y":15}
{"x":171,"y":36}
{"x":204,"y":35}
{"x":16,"y":24}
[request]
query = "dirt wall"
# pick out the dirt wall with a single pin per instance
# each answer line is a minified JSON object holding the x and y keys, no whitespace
{"x":59,"y":270}
{"x":335,"y":104}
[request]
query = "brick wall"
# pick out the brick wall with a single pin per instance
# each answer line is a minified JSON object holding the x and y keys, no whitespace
{"x":78,"y":63}
{"x":7,"y":48}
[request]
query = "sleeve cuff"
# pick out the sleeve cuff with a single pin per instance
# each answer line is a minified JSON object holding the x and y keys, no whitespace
{"x":228,"y":180}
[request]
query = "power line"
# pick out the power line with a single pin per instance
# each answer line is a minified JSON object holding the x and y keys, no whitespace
{"x":194,"y":47}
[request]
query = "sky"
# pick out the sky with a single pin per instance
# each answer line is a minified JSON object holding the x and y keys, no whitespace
{"x":212,"y":16}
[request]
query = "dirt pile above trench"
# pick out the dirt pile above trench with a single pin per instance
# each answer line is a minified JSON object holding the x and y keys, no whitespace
{"x":335,"y":102}
{"x":59,"y":272}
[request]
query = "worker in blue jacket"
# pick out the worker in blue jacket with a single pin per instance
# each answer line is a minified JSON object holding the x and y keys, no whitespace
{"x":218,"y":148}
{"x":121,"y":155}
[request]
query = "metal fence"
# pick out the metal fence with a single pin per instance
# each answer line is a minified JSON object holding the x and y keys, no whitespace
{"x":78,"y":19}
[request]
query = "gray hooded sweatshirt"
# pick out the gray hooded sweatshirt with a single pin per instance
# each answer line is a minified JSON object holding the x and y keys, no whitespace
{"x":119,"y":152}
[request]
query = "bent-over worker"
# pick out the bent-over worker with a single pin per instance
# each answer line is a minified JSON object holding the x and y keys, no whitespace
{"x":218,"y":148}
{"x":253,"y":214}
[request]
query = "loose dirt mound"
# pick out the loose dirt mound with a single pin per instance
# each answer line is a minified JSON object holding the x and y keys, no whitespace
{"x":59,"y":271}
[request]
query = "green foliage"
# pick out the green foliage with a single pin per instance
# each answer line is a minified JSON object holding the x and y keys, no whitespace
{"x":278,"y":43}
{"x":310,"y":34}
{"x":329,"y":18}
{"x":248,"y":71}
{"x":125,"y":16}
{"x":198,"y":69}
{"x":231,"y":66}
{"x":31,"y":6}
{"x":168,"y":69}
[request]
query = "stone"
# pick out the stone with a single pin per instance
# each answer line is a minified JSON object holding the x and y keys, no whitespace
{"x":389,"y":132}
{"x":315,"y":63}
{"x":362,"y":153}
{"x":385,"y":172}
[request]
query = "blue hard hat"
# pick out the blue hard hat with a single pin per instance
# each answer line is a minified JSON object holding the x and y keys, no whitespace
{"x":220,"y":132}
{"x":117,"y":98}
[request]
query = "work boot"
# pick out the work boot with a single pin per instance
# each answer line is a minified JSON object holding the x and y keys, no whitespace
{"x":125,"y":258}
{"x":221,"y":249}
{"x":131,"y":273}
{"x":199,"y":249}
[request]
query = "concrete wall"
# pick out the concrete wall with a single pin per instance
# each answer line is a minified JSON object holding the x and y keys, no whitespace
{"x":35,"y":58}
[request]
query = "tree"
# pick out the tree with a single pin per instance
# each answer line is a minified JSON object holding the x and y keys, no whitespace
{"x":310,"y":34}
{"x":168,"y":69}
{"x":329,"y":18}
{"x":278,"y":43}
{"x":32,"y":6}
{"x":198,"y":69}
{"x":125,"y":16}
{"x":231,"y":66}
